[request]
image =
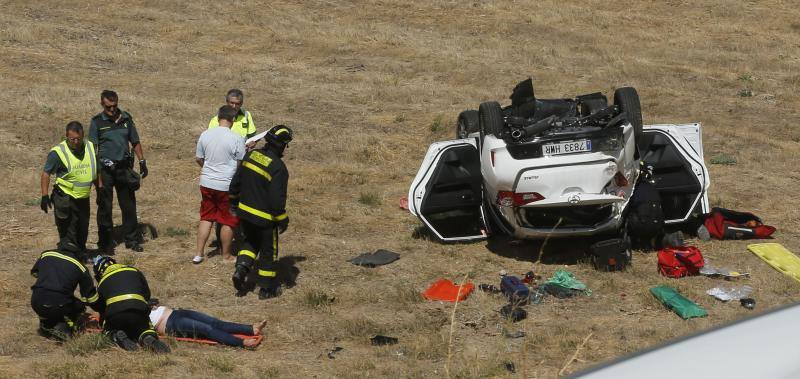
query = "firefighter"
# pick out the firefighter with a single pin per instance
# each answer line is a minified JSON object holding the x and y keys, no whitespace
{"x":58,"y":273}
{"x":74,"y":163}
{"x":258,"y":191}
{"x":123,"y":305}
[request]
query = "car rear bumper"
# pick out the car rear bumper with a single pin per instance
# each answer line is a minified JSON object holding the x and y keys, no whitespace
{"x":566,"y":220}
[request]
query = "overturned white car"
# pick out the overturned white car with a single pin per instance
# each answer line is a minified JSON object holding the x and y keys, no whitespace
{"x":556,"y":167}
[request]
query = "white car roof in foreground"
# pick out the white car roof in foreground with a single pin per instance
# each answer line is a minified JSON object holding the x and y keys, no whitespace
{"x":764,"y":346}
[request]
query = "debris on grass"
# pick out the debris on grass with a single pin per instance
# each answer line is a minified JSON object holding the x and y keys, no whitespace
{"x":674,"y":301}
{"x":379,"y":257}
{"x":446,"y":290}
{"x":380,"y":340}
{"x":333,"y":352}
{"x":728,"y":293}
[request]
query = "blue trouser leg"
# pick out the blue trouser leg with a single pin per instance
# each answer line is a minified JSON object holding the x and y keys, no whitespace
{"x":190,"y":323}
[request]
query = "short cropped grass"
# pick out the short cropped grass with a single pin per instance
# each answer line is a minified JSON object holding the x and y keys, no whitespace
{"x":369,"y":199}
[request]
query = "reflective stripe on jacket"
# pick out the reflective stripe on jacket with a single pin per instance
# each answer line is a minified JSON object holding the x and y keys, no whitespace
{"x":77,"y":182}
{"x":260,"y":185}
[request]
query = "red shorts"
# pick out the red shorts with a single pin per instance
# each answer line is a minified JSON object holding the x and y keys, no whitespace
{"x":215,"y":207}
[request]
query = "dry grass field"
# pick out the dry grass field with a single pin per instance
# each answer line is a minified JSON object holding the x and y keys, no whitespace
{"x":367,"y":85}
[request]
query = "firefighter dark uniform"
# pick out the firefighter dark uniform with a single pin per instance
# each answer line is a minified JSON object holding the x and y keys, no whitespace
{"x":259,"y":187}
{"x":111,"y":138}
{"x":57,"y":275}
{"x":123,"y":302}
{"x":75,"y":172}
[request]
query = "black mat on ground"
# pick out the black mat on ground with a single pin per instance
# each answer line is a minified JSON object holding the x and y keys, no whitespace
{"x":378,"y":258}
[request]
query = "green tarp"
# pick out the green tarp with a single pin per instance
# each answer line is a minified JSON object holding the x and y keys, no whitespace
{"x":679,"y":304}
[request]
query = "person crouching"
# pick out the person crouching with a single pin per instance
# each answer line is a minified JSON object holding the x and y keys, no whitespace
{"x":123,"y":305}
{"x":58,"y":273}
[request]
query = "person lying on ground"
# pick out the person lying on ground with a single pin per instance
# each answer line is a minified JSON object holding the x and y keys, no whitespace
{"x":194,"y":324}
{"x":58,"y":273}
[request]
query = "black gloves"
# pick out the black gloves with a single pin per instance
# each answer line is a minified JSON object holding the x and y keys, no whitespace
{"x":45,"y":203}
{"x":282,"y":225}
{"x":143,"y":168}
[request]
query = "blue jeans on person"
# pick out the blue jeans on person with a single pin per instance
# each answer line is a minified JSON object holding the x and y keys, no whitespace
{"x":193,"y":324}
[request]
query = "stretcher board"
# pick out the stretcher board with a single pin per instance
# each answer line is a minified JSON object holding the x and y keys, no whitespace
{"x":778,"y":257}
{"x":94,"y":328}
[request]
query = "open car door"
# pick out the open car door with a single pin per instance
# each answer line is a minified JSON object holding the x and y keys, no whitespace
{"x":676,"y":154}
{"x":447,"y":193}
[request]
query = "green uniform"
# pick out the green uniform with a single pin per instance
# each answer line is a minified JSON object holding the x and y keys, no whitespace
{"x":112,"y":138}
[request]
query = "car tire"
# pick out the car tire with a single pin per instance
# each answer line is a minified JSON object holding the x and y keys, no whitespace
{"x":491,"y":119}
{"x":468,"y":123}
{"x":627,"y":99}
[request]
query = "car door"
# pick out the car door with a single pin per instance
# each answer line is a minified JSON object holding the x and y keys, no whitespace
{"x":675,"y":151}
{"x":447,"y":193}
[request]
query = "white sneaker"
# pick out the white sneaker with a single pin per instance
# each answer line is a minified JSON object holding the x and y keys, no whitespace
{"x":198,"y":259}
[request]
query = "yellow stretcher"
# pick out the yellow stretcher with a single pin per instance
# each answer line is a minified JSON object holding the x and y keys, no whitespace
{"x":778,"y":257}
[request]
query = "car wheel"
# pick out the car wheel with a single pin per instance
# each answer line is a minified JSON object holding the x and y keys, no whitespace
{"x":491,"y":118}
{"x":467,"y":124}
{"x":627,"y":99}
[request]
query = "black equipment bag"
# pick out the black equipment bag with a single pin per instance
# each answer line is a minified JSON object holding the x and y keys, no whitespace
{"x":645,"y":216}
{"x":610,"y":255}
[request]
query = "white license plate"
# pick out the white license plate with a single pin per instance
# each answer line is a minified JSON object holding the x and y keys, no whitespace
{"x":567,"y":147}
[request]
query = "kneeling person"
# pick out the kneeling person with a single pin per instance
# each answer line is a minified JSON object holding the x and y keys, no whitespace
{"x":124,"y":311}
{"x":57,"y":274}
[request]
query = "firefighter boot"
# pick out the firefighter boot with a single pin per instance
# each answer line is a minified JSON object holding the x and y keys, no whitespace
{"x":268,"y":293}
{"x":239,"y":277}
{"x":152,"y":343}
{"x":121,"y":339}
{"x":59,"y":332}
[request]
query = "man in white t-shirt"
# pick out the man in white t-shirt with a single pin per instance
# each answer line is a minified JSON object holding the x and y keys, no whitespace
{"x":219,"y":151}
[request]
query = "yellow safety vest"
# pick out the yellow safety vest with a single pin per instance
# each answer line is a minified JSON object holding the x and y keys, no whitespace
{"x":77,"y":182}
{"x":242,"y":125}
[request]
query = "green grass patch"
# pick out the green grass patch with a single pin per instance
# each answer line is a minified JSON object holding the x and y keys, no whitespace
{"x":87,"y":343}
{"x":369,"y":199}
{"x":69,"y":370}
{"x":176,"y":232}
{"x":33,"y":202}
{"x":221,"y":363}
{"x":315,"y":298}
{"x":746,"y":77}
{"x":745,"y":93}
{"x":723,"y":159}
{"x":436,"y":125}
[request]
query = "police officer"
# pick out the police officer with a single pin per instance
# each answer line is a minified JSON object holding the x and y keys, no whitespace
{"x":57,"y":275}
{"x":113,"y":130}
{"x":123,"y":305}
{"x":74,"y":163}
{"x":258,"y":189}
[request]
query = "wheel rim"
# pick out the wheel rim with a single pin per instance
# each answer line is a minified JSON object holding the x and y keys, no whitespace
{"x":462,"y":129}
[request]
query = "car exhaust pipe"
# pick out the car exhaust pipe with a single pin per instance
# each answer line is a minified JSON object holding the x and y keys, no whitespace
{"x":532,"y":130}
